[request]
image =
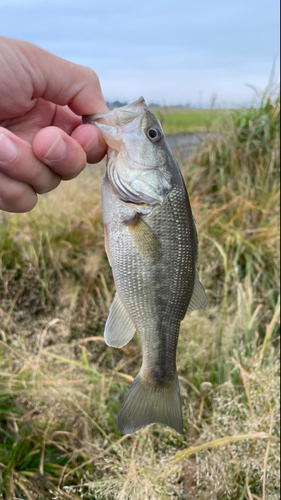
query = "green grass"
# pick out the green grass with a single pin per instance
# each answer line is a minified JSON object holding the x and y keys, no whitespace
{"x":61,"y":388}
{"x":183,"y":121}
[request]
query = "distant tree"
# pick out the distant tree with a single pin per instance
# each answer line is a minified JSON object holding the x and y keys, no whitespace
{"x":115,"y":104}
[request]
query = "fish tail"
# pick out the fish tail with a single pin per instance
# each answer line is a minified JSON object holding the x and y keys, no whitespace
{"x":148,"y":403}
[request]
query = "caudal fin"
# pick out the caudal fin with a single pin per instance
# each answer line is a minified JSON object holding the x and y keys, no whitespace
{"x":147,"y":403}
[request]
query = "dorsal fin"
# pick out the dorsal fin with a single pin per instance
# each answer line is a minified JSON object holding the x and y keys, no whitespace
{"x":198,"y":299}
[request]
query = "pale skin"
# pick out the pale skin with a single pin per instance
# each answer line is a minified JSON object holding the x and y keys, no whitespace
{"x":42,"y":139}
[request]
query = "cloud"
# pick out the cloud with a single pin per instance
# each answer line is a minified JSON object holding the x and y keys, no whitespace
{"x":169,"y":48}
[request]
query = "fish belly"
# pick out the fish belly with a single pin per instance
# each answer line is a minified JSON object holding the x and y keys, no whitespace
{"x":155,"y":291}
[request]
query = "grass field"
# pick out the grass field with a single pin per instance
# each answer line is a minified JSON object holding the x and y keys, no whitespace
{"x":182,"y":121}
{"x":61,"y":387}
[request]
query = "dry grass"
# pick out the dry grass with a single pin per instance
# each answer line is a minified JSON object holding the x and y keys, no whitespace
{"x":60,"y":386}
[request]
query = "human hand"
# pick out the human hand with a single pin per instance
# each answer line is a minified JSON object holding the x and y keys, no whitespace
{"x":42,"y":139}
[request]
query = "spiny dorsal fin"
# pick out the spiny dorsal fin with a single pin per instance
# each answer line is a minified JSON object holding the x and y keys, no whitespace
{"x":143,"y":238}
{"x":119,"y":328}
{"x":198,"y":299}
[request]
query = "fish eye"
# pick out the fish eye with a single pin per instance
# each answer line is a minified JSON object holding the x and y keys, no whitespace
{"x":154,"y":134}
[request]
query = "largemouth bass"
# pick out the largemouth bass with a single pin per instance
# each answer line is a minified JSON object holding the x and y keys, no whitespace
{"x":151,"y":243}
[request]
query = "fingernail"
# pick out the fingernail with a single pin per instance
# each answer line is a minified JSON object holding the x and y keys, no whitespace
{"x":8,"y":150}
{"x":57,"y":151}
{"x":89,"y":144}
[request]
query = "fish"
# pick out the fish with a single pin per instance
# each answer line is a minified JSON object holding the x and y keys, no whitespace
{"x":152,"y":246}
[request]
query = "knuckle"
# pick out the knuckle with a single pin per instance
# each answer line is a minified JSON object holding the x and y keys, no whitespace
{"x":22,"y":198}
{"x":17,"y":193}
{"x":74,"y":168}
{"x":35,"y":174}
{"x":18,"y":204}
{"x":93,"y":76}
{"x":82,"y":161}
{"x":42,"y":178}
{"x":53,"y":184}
{"x":30,"y":203}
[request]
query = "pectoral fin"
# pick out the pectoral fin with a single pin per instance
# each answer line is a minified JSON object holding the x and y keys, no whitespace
{"x":198,"y":299}
{"x":119,"y":328}
{"x":143,"y":238}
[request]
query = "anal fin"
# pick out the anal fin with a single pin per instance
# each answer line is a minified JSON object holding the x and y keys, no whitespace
{"x":119,"y":328}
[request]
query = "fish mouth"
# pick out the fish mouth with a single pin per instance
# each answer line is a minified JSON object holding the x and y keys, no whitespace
{"x":131,"y":171}
{"x":114,"y":123}
{"x":119,"y":116}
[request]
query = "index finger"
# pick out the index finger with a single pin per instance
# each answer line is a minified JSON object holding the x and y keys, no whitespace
{"x":60,"y":81}
{"x":67,"y":83}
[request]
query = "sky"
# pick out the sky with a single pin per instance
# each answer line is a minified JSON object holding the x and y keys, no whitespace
{"x":169,"y":51}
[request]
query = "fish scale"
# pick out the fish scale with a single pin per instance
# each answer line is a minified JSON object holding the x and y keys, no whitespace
{"x":156,"y":316}
{"x":152,"y":245}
